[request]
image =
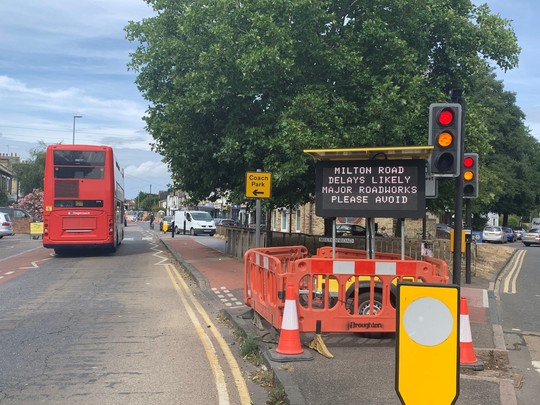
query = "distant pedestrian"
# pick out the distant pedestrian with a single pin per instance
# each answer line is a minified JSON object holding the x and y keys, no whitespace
{"x":172,"y":228}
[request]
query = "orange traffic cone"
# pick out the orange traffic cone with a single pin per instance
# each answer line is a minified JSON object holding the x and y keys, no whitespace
{"x":467,"y":357}
{"x":289,"y":346}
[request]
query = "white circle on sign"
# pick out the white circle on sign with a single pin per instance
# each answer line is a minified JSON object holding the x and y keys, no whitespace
{"x":428,"y":321}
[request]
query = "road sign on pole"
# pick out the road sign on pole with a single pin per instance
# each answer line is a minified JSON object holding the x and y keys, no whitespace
{"x":427,"y":344}
{"x":258,"y":184}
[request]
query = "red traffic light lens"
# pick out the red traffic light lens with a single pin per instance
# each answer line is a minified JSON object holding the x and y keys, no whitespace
{"x":445,"y":117}
{"x":468,"y":162}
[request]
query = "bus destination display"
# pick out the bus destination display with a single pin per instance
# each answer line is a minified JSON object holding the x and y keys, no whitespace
{"x":371,"y":188}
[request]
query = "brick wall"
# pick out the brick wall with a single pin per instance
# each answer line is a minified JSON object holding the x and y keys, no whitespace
{"x":21,"y":225}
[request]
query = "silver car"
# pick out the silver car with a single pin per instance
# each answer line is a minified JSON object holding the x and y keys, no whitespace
{"x":6,"y":226}
{"x":531,"y":237}
{"x":519,"y":232}
{"x":494,"y":234}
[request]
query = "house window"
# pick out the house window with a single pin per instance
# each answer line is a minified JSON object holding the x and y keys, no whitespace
{"x":283,"y":221}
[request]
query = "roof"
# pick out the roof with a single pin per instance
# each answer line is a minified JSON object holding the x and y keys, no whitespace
{"x":390,"y":153}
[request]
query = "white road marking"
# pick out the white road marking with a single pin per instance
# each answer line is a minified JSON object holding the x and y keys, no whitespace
{"x":230,"y":301}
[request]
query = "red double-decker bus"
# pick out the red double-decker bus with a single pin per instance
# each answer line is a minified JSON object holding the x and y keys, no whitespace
{"x":83,"y":199}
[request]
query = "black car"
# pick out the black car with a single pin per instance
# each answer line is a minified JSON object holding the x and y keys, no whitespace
{"x":354,"y":230}
{"x":350,"y":230}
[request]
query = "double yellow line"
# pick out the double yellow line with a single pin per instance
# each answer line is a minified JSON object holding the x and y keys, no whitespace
{"x":193,"y":308}
{"x":509,"y":286}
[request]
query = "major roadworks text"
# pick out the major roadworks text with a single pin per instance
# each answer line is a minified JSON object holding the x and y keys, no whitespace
{"x":354,"y":184}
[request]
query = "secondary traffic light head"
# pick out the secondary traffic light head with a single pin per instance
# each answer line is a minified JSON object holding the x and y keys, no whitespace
{"x":469,"y":171}
{"x":446,"y":137}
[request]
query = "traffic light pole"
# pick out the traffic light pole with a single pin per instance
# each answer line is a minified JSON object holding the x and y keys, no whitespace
{"x":468,"y":241}
{"x":456,"y":97}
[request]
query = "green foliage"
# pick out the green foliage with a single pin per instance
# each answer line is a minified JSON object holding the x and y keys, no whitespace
{"x":30,"y":173}
{"x":3,"y":198}
{"x":249,"y":347}
{"x":237,"y":86}
{"x":147,"y":202}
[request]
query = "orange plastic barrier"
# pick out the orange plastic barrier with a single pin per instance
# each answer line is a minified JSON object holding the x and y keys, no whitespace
{"x":345,"y":294}
{"x":343,"y":253}
{"x":264,"y":279}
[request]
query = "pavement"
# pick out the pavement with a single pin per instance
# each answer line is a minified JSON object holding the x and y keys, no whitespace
{"x":356,"y":357}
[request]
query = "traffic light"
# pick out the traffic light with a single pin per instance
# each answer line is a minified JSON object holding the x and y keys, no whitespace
{"x":469,"y":172}
{"x":446,"y":137}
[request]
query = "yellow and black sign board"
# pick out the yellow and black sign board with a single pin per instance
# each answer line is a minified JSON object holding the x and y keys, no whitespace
{"x":427,"y":344}
{"x":36,"y":228}
{"x":462,"y":241}
{"x":258,"y":184}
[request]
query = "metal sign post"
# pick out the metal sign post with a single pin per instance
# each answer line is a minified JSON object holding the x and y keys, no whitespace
{"x":258,"y":185}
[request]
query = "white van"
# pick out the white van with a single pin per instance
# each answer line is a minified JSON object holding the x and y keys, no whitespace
{"x":194,"y":222}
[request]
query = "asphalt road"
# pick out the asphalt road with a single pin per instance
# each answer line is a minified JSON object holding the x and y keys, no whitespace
{"x":121,"y":328}
{"x":519,"y":302}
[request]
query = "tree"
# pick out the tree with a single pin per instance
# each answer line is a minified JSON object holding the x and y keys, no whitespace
{"x":513,"y":160}
{"x":3,"y":198}
{"x":147,"y":202}
{"x":236,"y":86}
{"x":30,"y":173}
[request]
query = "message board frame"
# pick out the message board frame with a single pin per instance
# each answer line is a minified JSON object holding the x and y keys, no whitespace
{"x":401,"y":180}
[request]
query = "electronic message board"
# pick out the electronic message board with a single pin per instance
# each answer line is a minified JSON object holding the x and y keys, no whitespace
{"x":371,"y":188}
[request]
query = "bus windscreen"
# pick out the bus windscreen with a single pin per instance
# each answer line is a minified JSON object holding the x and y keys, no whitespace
{"x":76,"y":164}
{"x":78,"y":158}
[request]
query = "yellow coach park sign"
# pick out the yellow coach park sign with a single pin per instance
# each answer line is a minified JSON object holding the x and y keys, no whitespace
{"x":258,"y":184}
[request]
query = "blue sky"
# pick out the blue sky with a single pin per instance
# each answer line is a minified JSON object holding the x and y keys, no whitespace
{"x":61,"y":58}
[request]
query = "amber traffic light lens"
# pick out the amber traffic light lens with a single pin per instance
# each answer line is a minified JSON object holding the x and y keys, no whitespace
{"x":468,"y":175}
{"x":445,"y":139}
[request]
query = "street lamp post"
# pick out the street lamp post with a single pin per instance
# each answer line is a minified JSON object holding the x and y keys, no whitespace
{"x":74,"y":117}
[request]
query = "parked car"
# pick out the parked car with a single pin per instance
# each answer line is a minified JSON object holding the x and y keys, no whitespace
{"x":354,"y":230}
{"x":167,"y":218}
{"x":15,"y":213}
{"x":225,"y":222}
{"x":531,"y":237}
{"x":350,"y":230}
{"x":510,"y":234}
{"x":6,"y":226}
{"x":443,"y":231}
{"x":519,"y":232}
{"x":494,"y":234}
